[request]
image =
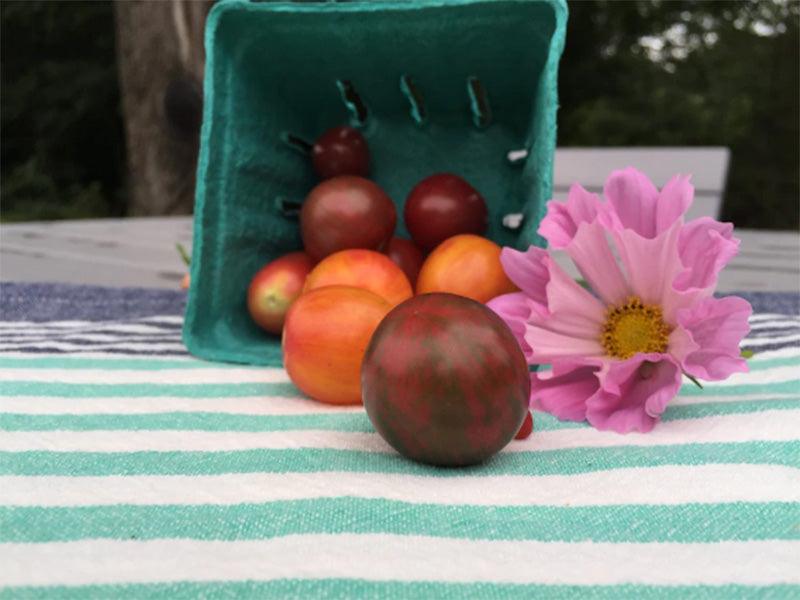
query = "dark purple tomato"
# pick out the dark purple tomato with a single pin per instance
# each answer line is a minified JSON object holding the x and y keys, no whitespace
{"x":346,"y":212}
{"x":441,"y":206}
{"x":444,"y":380}
{"x":406,"y":255}
{"x":340,"y":151}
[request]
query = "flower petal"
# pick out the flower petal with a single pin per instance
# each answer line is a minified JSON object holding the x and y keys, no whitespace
{"x":548,"y":345}
{"x":634,"y":393}
{"x":562,"y":219}
{"x":634,"y":199}
{"x":651,"y":266}
{"x":528,"y":270}
{"x":572,"y":325}
{"x":674,"y":200}
{"x":590,"y":252}
{"x":717,"y":327}
{"x":705,"y":247}
{"x":515,"y":310}
{"x":563,"y":391}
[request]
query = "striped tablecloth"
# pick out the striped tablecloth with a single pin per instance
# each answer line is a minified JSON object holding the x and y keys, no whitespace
{"x":129,"y":469}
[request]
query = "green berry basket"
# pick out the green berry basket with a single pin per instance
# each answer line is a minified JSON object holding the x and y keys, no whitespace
{"x":465,"y":86}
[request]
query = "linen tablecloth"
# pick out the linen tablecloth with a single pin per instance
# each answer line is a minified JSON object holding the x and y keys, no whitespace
{"x":129,"y":469}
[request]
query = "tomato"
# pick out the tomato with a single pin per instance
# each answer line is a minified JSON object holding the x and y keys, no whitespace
{"x":274,"y":288}
{"x":340,"y":151}
{"x":444,"y":380}
{"x":467,"y":265}
{"x":326,"y":333}
{"x":346,"y":212}
{"x":527,"y":428}
{"x":365,"y":269}
{"x":441,"y":206}
{"x":406,"y":255}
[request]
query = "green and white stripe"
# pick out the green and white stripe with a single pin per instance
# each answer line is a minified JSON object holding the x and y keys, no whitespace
{"x":175,"y":478}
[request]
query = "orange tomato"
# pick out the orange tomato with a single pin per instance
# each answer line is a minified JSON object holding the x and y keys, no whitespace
{"x":467,"y":265}
{"x":365,"y":269}
{"x":324,"y":339}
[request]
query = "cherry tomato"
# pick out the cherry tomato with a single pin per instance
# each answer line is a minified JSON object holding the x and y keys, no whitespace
{"x":274,"y":288}
{"x":466,"y":265}
{"x":326,"y":334}
{"x":346,"y":212}
{"x":441,"y":206}
{"x":527,"y":428}
{"x":364,"y":269}
{"x":407,"y":256}
{"x":340,"y":151}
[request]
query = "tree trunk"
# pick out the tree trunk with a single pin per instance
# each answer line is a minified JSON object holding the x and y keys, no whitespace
{"x":160,"y":63}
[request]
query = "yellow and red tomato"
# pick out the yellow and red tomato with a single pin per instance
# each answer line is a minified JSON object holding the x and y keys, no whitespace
{"x":467,"y":265}
{"x":273,"y":289}
{"x":362,"y":269}
{"x":324,"y":339}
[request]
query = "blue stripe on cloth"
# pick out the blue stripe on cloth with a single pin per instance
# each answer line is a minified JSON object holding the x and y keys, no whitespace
{"x":61,"y":302}
{"x":54,"y":302}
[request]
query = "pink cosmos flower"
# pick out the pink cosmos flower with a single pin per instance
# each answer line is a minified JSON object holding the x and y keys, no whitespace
{"x":619,"y":350}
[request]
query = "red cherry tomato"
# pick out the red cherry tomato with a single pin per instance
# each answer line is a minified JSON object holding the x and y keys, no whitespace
{"x":407,"y":256}
{"x":275,"y":287}
{"x":527,"y":428}
{"x":346,"y":212}
{"x":340,"y":151}
{"x":441,"y":206}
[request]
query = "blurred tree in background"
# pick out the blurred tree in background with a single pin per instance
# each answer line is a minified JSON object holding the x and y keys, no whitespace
{"x":62,"y":139}
{"x":692,"y":73}
{"x":637,"y":73}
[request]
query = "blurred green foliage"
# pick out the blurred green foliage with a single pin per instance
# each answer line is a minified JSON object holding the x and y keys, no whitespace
{"x":637,"y":73}
{"x":693,"y":73}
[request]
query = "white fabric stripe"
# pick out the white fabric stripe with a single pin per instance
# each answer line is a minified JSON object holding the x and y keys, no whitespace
{"x":166,"y":376}
{"x":124,"y":405}
{"x":788,"y":324}
{"x":123,"y":345}
{"x":789,"y":352}
{"x":121,"y":328}
{"x":89,"y":352}
{"x":765,"y":377}
{"x":668,"y":485}
{"x":389,"y":557}
{"x":712,"y":399}
{"x":782,"y":425}
{"x":770,"y":340}
{"x":81,"y":338}
{"x":771,"y":316}
{"x":169,"y":319}
{"x":272,"y":375}
{"x":245,"y":405}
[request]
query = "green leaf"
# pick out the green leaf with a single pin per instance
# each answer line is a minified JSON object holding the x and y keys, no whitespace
{"x":184,"y":255}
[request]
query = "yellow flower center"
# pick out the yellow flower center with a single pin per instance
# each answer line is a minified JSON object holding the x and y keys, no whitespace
{"x":634,"y":327}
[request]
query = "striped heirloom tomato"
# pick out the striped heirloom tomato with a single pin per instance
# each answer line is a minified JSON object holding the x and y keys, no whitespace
{"x":444,"y":380}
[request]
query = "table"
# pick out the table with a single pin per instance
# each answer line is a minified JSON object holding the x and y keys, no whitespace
{"x":141,"y":252}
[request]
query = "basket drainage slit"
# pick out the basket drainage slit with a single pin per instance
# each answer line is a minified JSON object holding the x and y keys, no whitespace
{"x":288,"y":208}
{"x":415,"y":99}
{"x":479,"y":103}
{"x":296,"y":142}
{"x":352,"y":100}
